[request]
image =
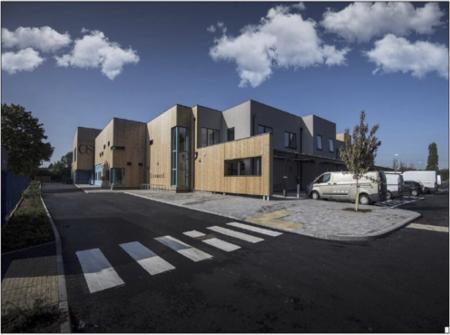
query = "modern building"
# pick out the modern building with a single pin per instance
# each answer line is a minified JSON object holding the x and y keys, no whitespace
{"x":83,"y":155}
{"x":251,"y":148}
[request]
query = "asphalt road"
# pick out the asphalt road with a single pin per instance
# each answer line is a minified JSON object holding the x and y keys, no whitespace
{"x":288,"y":283}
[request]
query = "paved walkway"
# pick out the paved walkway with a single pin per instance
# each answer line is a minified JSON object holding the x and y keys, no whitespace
{"x":321,"y":219}
{"x":30,"y":275}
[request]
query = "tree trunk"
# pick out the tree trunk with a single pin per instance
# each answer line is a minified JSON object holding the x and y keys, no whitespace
{"x":357,"y":196}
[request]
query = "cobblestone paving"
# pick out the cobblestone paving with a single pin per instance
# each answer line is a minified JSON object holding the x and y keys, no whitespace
{"x":323,"y":219}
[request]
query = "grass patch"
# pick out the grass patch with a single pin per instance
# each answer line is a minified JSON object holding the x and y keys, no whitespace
{"x":361,"y":210}
{"x":37,"y":319}
{"x":29,"y":225}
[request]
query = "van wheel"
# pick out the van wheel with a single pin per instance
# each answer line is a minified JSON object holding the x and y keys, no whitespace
{"x":388,"y":195}
{"x":315,"y":195}
{"x":414,"y":193}
{"x":364,"y":199}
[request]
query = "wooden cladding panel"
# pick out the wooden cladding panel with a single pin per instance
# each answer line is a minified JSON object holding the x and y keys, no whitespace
{"x":209,"y":167}
{"x":159,"y":132}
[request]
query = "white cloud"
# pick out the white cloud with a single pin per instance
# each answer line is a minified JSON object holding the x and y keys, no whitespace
{"x":44,"y":39}
{"x":281,"y":39}
{"x":23,"y":60}
{"x":397,"y":54}
{"x":95,"y":50}
{"x":361,"y":21}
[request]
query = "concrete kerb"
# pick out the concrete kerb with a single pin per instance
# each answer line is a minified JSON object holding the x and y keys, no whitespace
{"x":373,"y":236}
{"x":65,"y":325}
{"x":341,"y":238}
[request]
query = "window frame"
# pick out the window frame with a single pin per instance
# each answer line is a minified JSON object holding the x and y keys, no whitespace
{"x":264,"y":129}
{"x":317,"y":142}
{"x":291,"y":142}
{"x":236,"y":167}
{"x":331,"y":148}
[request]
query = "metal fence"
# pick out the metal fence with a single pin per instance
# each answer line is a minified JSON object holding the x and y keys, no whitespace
{"x":12,"y":188}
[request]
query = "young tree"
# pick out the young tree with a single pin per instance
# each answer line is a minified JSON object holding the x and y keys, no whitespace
{"x":358,"y":153}
{"x":22,"y":138}
{"x":433,"y":158}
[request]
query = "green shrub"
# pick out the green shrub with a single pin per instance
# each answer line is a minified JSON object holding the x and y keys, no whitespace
{"x":29,"y":225}
{"x":39,"y":318}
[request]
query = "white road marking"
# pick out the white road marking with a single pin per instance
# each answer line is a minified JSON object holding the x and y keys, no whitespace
{"x":263,"y":231}
{"x":439,"y":229}
{"x":97,"y":271}
{"x":221,"y":244}
{"x":184,"y":249}
{"x":194,"y":233}
{"x":146,"y":258}
{"x":236,"y":234}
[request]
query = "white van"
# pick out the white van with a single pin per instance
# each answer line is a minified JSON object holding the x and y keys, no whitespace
{"x":428,"y":179}
{"x":394,"y":184}
{"x":342,"y":186}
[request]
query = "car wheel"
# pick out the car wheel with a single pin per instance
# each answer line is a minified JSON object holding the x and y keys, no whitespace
{"x":414,"y":193}
{"x":388,"y":195}
{"x":315,"y":195}
{"x":364,"y":199}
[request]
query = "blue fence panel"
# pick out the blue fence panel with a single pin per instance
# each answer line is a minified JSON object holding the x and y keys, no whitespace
{"x":12,"y":188}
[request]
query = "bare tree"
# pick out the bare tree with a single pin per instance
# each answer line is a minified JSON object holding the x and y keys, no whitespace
{"x":359,"y":151}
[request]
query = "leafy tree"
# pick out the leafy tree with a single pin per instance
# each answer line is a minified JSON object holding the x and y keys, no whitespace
{"x":433,"y":158}
{"x":61,"y":170}
{"x":444,"y":174}
{"x":359,"y":151}
{"x":22,"y":138}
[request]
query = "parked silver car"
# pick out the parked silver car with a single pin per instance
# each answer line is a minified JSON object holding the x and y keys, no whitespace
{"x":342,"y":186}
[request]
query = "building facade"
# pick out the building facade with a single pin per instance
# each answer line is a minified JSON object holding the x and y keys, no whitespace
{"x":83,"y":155}
{"x":251,"y":148}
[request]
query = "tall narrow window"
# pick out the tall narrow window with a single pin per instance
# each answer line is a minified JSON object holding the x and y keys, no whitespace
{"x":319,"y":142}
{"x":290,"y":140}
{"x":173,"y":161}
{"x":331,"y":145}
{"x":230,"y":134}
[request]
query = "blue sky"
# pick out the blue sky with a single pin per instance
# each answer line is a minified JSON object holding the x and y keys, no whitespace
{"x":170,"y":61}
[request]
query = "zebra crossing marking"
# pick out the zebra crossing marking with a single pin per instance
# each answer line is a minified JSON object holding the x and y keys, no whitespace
{"x":146,"y":258}
{"x":184,"y":249}
{"x":193,"y":233}
{"x":236,"y":234}
{"x":98,"y":272}
{"x":221,"y":244}
{"x":263,"y":231}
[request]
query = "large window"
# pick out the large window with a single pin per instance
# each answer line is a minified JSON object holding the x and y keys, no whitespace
{"x":116,"y":176}
{"x":264,"y":129}
{"x":230,"y":134}
{"x":243,"y":167}
{"x":290,"y":140}
{"x":319,"y":142}
{"x":331,"y":145}
{"x":180,"y":157}
{"x":209,"y":136}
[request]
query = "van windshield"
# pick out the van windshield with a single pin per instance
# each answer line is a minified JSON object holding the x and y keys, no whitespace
{"x":323,"y":178}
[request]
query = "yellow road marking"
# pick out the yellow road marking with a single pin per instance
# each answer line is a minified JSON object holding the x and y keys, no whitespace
{"x":428,"y":227}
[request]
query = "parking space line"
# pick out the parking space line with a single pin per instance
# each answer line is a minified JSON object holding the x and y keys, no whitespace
{"x":421,"y":226}
{"x":184,"y":249}
{"x":263,"y":231}
{"x":193,"y":233}
{"x":97,"y":271}
{"x":221,"y":244}
{"x":236,"y":234}
{"x":146,"y":258}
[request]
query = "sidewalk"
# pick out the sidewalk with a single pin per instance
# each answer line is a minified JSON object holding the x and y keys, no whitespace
{"x":321,"y":219}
